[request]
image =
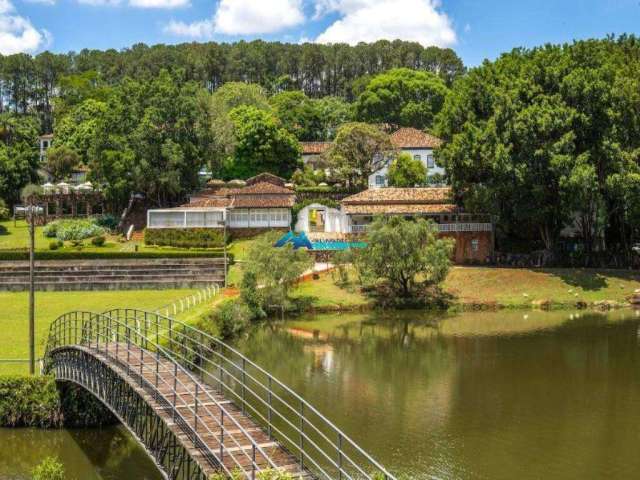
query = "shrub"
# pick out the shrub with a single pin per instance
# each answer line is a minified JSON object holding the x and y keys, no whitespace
{"x":4,"y":211}
{"x":49,"y":469}
{"x":27,"y":401}
{"x":68,"y":230}
{"x":54,"y":245}
{"x":108,"y":222}
{"x":232,"y":317}
{"x":185,"y":237}
{"x":98,"y":241}
{"x":108,"y":254}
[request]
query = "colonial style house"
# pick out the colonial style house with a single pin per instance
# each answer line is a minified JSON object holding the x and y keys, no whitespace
{"x":264,"y":203}
{"x":419,"y":145}
{"x":473,"y":233}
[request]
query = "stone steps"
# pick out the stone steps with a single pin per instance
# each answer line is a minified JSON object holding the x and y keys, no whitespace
{"x":113,"y":275}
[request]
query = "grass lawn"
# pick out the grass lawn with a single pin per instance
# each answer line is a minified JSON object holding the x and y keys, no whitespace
{"x":525,"y":287}
{"x":328,"y":295}
{"x":50,"y":305}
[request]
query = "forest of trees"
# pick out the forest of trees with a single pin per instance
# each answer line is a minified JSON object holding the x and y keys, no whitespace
{"x":544,"y":139}
{"x":148,"y":118}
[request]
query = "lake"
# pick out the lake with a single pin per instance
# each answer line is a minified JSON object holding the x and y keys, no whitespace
{"x":487,"y":395}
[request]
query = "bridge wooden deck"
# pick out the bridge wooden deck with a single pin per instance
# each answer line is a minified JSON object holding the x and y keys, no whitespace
{"x":231,"y":444}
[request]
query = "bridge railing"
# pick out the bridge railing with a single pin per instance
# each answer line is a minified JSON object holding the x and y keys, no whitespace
{"x":306,"y":433}
{"x":134,"y":347}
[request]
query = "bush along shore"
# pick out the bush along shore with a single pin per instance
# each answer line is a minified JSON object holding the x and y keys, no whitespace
{"x":41,"y":402}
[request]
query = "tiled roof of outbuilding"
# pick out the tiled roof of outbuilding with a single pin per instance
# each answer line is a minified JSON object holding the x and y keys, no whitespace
{"x":414,"y":138}
{"x":314,"y":148}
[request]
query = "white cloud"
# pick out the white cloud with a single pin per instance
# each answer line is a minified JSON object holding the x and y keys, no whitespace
{"x":17,"y":34}
{"x":159,"y":3}
{"x":100,"y":3}
{"x":201,"y":29}
{"x":243,"y":17}
{"x":370,"y":20}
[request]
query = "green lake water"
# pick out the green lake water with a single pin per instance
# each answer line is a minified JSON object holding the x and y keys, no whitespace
{"x":507,"y":395}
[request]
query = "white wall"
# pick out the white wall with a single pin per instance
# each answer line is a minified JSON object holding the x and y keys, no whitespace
{"x":424,"y":154}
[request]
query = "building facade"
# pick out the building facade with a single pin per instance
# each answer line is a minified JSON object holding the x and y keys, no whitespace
{"x":264,"y":203}
{"x":419,"y":145}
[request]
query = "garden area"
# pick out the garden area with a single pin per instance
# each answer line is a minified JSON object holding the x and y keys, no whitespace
{"x":86,"y":239}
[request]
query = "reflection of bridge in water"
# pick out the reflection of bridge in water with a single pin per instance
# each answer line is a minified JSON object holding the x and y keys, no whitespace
{"x":196,"y":404}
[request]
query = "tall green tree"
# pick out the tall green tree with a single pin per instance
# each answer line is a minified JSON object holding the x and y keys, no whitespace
{"x":407,"y":254}
{"x":261,"y":145}
{"x":402,"y":97}
{"x":358,"y":150}
{"x":61,"y":160}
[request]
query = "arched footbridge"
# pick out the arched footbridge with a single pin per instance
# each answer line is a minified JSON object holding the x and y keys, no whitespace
{"x":197,"y":405}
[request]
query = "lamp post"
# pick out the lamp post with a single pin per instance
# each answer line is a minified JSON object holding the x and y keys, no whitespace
{"x":31,"y":219}
{"x":30,"y":195}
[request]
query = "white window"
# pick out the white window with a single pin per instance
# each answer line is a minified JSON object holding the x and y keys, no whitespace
{"x":475,"y":245}
{"x":380,"y":180}
{"x":430,"y":162}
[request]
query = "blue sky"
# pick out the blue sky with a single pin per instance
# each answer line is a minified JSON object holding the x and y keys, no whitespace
{"x":476,"y":29}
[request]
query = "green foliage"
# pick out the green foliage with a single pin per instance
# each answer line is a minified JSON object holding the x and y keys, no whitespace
{"x":185,"y":237}
{"x":108,"y":222}
{"x":276,"y":270}
{"x":61,"y":160}
{"x":29,"y":402}
{"x":251,"y":295}
{"x":54,"y":245}
{"x":232,"y":317}
{"x":308,"y":177}
{"x":538,"y":137}
{"x":358,"y":150}
{"x":271,"y":474}
{"x":98,"y":241}
{"x":299,"y":115}
{"x":4,"y":211}
{"x":407,"y":254}
{"x":261,"y":145}
{"x":49,"y":469}
{"x":30,"y":192}
{"x":405,"y":171}
{"x":72,"y":230}
{"x":402,"y":97}
{"x":18,"y":156}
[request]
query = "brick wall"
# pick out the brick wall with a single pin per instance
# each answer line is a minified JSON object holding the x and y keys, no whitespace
{"x":464,"y":251}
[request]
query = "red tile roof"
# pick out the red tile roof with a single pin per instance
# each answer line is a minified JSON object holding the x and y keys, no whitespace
{"x":407,"y":196}
{"x":266,"y":177}
{"x":414,"y":138}
{"x":314,"y":148}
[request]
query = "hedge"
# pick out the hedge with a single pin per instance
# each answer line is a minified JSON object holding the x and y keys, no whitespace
{"x":184,"y":237}
{"x":21,"y":255}
{"x":38,"y":401}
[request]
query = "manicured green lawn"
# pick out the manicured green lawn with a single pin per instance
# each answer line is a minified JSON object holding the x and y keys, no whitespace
{"x":50,"y":305}
{"x":327,"y":294}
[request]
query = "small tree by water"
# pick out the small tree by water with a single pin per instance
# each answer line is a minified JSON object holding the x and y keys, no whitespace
{"x":49,"y":469}
{"x":270,"y":273}
{"x":405,"y":255}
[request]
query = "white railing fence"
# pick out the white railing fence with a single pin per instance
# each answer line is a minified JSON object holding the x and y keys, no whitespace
{"x":189,"y":301}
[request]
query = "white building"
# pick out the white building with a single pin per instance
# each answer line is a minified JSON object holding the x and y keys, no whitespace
{"x":45,"y":144}
{"x":263,"y":204}
{"x":419,"y":145}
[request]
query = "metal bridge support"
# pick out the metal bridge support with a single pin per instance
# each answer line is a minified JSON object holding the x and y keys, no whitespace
{"x":129,"y":404}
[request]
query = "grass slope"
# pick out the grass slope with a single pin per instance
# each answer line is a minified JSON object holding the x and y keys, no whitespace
{"x":525,"y":287}
{"x":50,"y":305}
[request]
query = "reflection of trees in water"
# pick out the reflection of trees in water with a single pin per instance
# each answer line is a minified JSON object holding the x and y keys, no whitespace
{"x":115,"y":453}
{"x":22,"y":449}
